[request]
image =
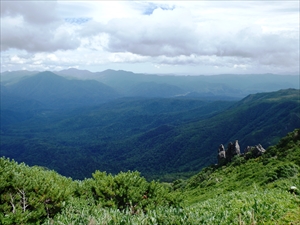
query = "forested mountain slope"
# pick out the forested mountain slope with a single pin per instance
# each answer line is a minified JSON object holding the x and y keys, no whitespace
{"x":188,"y":147}
{"x":60,"y":93}
{"x":157,"y":137}
{"x":82,"y":138}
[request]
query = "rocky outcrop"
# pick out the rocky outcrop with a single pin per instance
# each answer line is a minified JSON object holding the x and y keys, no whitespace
{"x":221,"y":155}
{"x":253,"y":151}
{"x":233,"y":149}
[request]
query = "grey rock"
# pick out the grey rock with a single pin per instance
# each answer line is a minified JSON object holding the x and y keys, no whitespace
{"x":233,"y":149}
{"x":258,"y":150}
{"x":221,"y":148}
{"x":221,"y":155}
{"x":254,"y":151}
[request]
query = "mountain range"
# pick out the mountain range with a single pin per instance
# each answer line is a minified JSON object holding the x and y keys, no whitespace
{"x":163,"y":126}
{"x":126,"y":83}
{"x":58,"y":92}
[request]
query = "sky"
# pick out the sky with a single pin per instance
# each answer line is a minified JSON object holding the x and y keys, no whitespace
{"x":156,"y":37}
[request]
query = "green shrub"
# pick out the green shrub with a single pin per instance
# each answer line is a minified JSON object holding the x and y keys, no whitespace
{"x":237,"y":160}
{"x":287,"y":170}
{"x":254,"y":207}
{"x":30,"y":194}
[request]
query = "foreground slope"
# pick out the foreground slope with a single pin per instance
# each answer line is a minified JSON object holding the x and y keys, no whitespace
{"x":278,"y":167}
{"x":254,"y":191}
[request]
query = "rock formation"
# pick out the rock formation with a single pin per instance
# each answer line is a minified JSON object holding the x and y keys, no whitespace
{"x":254,"y":151}
{"x":233,"y":149}
{"x":221,"y":155}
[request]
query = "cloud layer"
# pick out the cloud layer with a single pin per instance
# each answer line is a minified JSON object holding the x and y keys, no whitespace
{"x":196,"y":37}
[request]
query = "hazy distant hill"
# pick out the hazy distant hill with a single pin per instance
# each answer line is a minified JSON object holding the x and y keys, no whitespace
{"x":154,"y":136}
{"x":58,"y":92}
{"x":229,"y":85}
{"x":125,"y":82}
{"x":75,"y":73}
{"x":14,"y":76}
{"x":222,"y":86}
{"x":152,"y":89}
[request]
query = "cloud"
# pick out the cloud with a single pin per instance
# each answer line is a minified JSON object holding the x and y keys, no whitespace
{"x":34,"y":27}
{"x":175,"y":33}
{"x":161,"y":33}
{"x":252,"y":42}
{"x":231,"y":34}
{"x":181,"y":39}
{"x":127,"y":57}
{"x":17,"y":35}
{"x":34,"y":12}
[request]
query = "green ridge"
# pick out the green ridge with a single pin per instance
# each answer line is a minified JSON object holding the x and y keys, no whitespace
{"x":163,"y":139}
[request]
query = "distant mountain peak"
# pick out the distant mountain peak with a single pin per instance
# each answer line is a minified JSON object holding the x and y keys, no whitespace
{"x":74,"y":70}
{"x":47,"y":75}
{"x":47,"y":72}
{"x":59,"y":92}
{"x":110,"y":71}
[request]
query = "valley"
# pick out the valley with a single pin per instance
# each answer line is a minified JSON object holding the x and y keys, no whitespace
{"x":149,"y":113}
{"x":84,"y":125}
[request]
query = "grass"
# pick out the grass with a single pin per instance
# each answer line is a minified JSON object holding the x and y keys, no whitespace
{"x":254,"y":207}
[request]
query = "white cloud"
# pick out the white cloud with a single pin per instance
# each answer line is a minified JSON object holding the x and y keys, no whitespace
{"x":244,"y":36}
{"x":34,"y":26}
{"x":127,"y":57}
{"x":17,"y":34}
{"x":163,"y":32}
{"x":34,"y":12}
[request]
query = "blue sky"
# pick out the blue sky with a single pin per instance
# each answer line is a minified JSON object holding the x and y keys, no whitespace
{"x":162,"y":37}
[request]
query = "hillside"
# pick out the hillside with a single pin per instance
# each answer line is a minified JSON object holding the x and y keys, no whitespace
{"x":229,"y":85}
{"x":14,"y":76}
{"x":278,"y":167}
{"x":90,"y":136}
{"x":217,"y":87}
{"x":155,"y":90}
{"x":161,"y":138}
{"x":263,"y":190}
{"x":57,"y":92}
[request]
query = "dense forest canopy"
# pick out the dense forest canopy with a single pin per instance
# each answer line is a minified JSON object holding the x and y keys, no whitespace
{"x":165,"y":138}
